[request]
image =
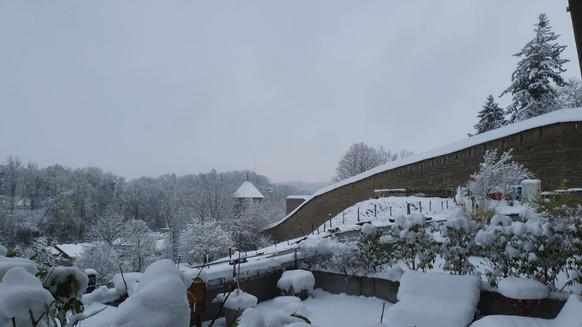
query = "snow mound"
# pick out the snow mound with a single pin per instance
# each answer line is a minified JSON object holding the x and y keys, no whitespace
{"x":522,"y":288}
{"x":22,"y":295}
{"x":3,"y":251}
{"x":160,"y":299}
{"x":295,"y":281}
{"x":8,"y":263}
{"x":237,"y":300}
{"x":131,"y":279}
{"x":103,"y":294}
{"x":251,"y":318}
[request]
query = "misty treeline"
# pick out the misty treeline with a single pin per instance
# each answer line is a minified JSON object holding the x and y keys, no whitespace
{"x":66,"y":205}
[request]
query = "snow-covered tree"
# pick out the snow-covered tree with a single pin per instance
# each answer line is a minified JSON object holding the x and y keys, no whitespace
{"x":496,"y":175}
{"x":490,"y":117}
{"x":107,"y":228}
{"x":531,"y":87}
{"x":361,"y":157}
{"x":101,"y":257}
{"x":570,"y":95}
{"x":207,"y":238}
{"x":246,"y":225}
{"x":136,"y":245}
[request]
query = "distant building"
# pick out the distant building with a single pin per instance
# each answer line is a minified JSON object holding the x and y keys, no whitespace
{"x":247,"y":191}
{"x":293,"y":201}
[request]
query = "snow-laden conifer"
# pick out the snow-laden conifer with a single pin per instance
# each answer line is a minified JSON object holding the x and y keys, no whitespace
{"x":540,"y":65}
{"x":490,"y":117}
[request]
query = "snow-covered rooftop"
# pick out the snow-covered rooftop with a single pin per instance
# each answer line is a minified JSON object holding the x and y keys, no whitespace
{"x":248,"y":191}
{"x":559,"y":116}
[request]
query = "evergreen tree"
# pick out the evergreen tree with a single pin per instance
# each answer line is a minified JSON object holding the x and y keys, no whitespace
{"x":491,"y":116}
{"x":531,"y":88}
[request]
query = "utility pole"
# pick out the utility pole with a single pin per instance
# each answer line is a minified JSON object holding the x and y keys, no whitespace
{"x":575,"y":9}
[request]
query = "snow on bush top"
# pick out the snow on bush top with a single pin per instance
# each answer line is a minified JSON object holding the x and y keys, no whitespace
{"x":523,"y":288}
{"x":368,"y":229}
{"x":237,"y":300}
{"x":58,"y":277}
{"x":160,"y":299}
{"x":298,"y":280}
{"x":410,"y":220}
{"x":9,"y":263}
{"x":458,"y":221}
{"x":22,"y":295}
{"x":3,"y":251}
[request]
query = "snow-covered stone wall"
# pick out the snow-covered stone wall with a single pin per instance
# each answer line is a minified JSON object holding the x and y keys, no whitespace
{"x":550,"y":146}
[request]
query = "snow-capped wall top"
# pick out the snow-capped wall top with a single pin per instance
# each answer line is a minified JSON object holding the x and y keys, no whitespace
{"x":248,"y":191}
{"x":559,"y":116}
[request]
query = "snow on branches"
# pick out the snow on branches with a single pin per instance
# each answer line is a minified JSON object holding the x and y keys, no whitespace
{"x":496,"y":175}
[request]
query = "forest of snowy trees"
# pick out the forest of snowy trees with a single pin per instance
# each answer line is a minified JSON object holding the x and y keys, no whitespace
{"x":57,"y":204}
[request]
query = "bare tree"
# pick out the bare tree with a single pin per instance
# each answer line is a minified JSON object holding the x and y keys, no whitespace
{"x":361,"y":157}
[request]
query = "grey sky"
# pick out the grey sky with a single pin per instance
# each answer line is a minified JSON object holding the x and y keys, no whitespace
{"x":144,"y":88}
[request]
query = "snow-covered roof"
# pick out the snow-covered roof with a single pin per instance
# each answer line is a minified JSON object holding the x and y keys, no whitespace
{"x":70,"y":250}
{"x":298,"y":197}
{"x":248,"y":191}
{"x":559,"y":116}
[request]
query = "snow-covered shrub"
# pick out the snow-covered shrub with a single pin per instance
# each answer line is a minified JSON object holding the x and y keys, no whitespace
{"x":412,"y":242}
{"x":160,"y":299}
{"x":496,"y":175}
{"x":492,"y":241}
{"x":329,"y":254}
{"x":67,"y":285}
{"x":543,"y":248}
{"x":294,"y":282}
{"x":24,"y":301}
{"x":459,"y":233}
{"x":370,"y":254}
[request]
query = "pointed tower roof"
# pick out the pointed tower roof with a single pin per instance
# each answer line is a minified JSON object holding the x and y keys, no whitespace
{"x":248,"y":191}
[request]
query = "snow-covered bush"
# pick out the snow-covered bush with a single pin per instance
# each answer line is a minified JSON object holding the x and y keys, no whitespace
{"x":370,"y":254}
{"x":544,"y":248}
{"x":294,"y":282}
{"x":67,"y":285}
{"x":412,"y":242}
{"x":539,"y":248}
{"x":329,"y":254}
{"x":459,"y":232}
{"x":24,"y":301}
{"x":160,"y":299}
{"x":496,"y":175}
{"x":493,"y":240}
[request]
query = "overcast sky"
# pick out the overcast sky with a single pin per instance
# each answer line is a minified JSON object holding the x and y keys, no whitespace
{"x":145,"y":88}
